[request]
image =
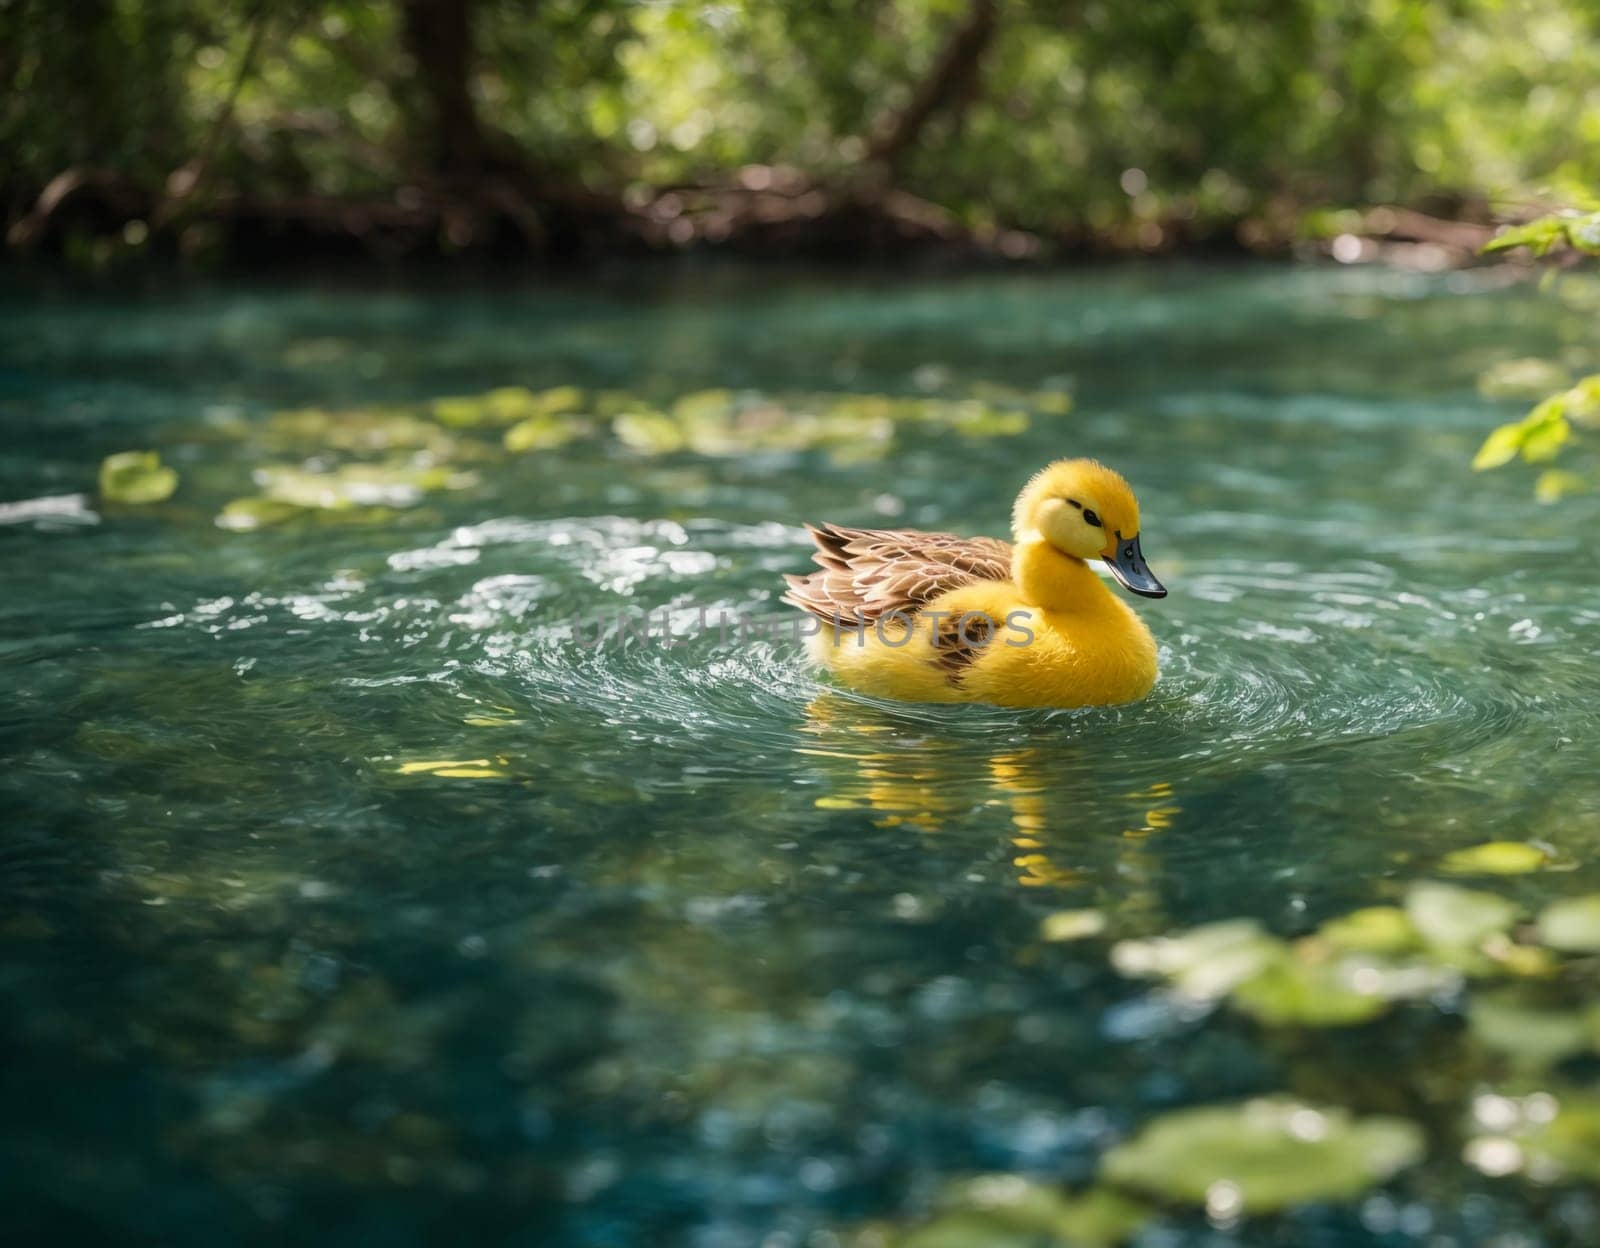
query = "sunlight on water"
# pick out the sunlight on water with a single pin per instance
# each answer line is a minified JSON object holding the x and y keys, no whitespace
{"x":463,"y":830}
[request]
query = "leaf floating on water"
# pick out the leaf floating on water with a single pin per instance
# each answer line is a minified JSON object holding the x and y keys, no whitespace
{"x":1311,"y":993}
{"x":1050,"y":402}
{"x":358,"y":429}
{"x":1204,"y":963}
{"x":1374,"y":929}
{"x":1457,"y":917}
{"x":648,"y":432}
{"x":978,"y":420}
{"x":1523,"y":379}
{"x":1530,"y":1034}
{"x":506,"y":406}
{"x":1526,"y":961}
{"x":1547,"y":1137}
{"x":459,"y":769}
{"x":1572,"y":925}
{"x":716,"y":423}
{"x":136,"y":477}
{"x":243,"y":514}
{"x":1072,"y":925}
{"x":543,"y":433}
{"x":1349,"y":972}
{"x":399,"y":483}
{"x":1262,"y":1155}
{"x":1010,"y":1211}
{"x":1496,"y":858}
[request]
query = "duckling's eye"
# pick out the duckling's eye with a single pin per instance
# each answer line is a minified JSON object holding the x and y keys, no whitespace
{"x":1089,"y":517}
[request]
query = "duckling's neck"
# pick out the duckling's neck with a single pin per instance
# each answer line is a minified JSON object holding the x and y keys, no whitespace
{"x":1052,"y":580}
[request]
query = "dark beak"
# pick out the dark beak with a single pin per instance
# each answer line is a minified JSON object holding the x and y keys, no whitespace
{"x":1129,"y":567}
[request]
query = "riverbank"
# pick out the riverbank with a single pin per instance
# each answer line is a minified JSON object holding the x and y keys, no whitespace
{"x":95,"y":220}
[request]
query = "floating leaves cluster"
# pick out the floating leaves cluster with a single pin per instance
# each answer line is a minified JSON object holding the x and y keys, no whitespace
{"x":721,"y":423}
{"x":1273,"y":1153}
{"x":1355,"y":967}
{"x":1258,"y":1156}
{"x":1266,"y":1154}
{"x":1009,"y":1211}
{"x":361,"y":464}
{"x":1542,"y":1136}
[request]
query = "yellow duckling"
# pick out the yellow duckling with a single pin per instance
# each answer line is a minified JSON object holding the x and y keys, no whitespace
{"x":931,"y":617}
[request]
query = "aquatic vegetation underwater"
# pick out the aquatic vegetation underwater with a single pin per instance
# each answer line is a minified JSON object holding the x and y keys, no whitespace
{"x":352,"y":891}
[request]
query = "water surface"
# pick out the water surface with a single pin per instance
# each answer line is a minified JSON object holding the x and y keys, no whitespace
{"x":348,"y":894}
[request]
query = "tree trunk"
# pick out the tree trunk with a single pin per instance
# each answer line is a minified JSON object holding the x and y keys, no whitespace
{"x":439,"y":36}
{"x":949,"y":84}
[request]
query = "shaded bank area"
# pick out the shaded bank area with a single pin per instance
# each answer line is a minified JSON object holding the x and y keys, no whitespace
{"x":566,"y":130}
{"x":95,"y":222}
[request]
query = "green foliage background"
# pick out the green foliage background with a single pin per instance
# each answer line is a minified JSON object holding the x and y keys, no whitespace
{"x":1222,"y":112}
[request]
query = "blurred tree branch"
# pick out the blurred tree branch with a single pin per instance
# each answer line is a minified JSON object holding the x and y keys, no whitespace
{"x":186,"y":180}
{"x":948,"y":86}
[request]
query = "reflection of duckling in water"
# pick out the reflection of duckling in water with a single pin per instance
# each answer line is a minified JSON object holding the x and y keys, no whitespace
{"x":902,"y":781}
{"x":925,"y":783}
{"x":930,"y":617}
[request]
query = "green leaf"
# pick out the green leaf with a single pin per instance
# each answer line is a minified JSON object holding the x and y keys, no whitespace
{"x":397,"y":483}
{"x":542,"y":433}
{"x":1554,"y":484}
{"x":1542,"y":441}
{"x":1583,"y":233}
{"x":1375,"y":929}
{"x":1548,"y":1137}
{"x":243,"y":514}
{"x":1539,"y":235}
{"x":1582,"y":402}
{"x":136,"y":477}
{"x":648,"y":432}
{"x":456,"y":769}
{"x":1496,"y":858}
{"x":1262,"y":1155}
{"x":1523,"y":379}
{"x":1572,"y":925}
{"x":1311,"y":993}
{"x":1529,"y":1034}
{"x":1454,"y":917}
{"x":1072,"y":925}
{"x":1500,"y":447}
{"x":1010,"y":1211}
{"x":506,"y":406}
{"x":358,"y":429}
{"x":1204,"y":963}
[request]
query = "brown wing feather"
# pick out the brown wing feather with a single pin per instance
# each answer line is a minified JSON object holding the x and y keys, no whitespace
{"x":867,"y":573}
{"x":959,"y":640}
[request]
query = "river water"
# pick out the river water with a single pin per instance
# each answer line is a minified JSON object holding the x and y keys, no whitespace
{"x":377,"y":869}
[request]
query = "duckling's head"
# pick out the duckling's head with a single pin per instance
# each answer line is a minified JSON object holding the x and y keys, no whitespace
{"x":1084,"y":509}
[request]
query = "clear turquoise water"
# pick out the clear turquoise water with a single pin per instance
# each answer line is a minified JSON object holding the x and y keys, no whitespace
{"x":712,"y":955}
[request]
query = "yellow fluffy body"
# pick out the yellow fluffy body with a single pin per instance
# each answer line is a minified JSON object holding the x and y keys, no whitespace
{"x":1087,"y":647}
